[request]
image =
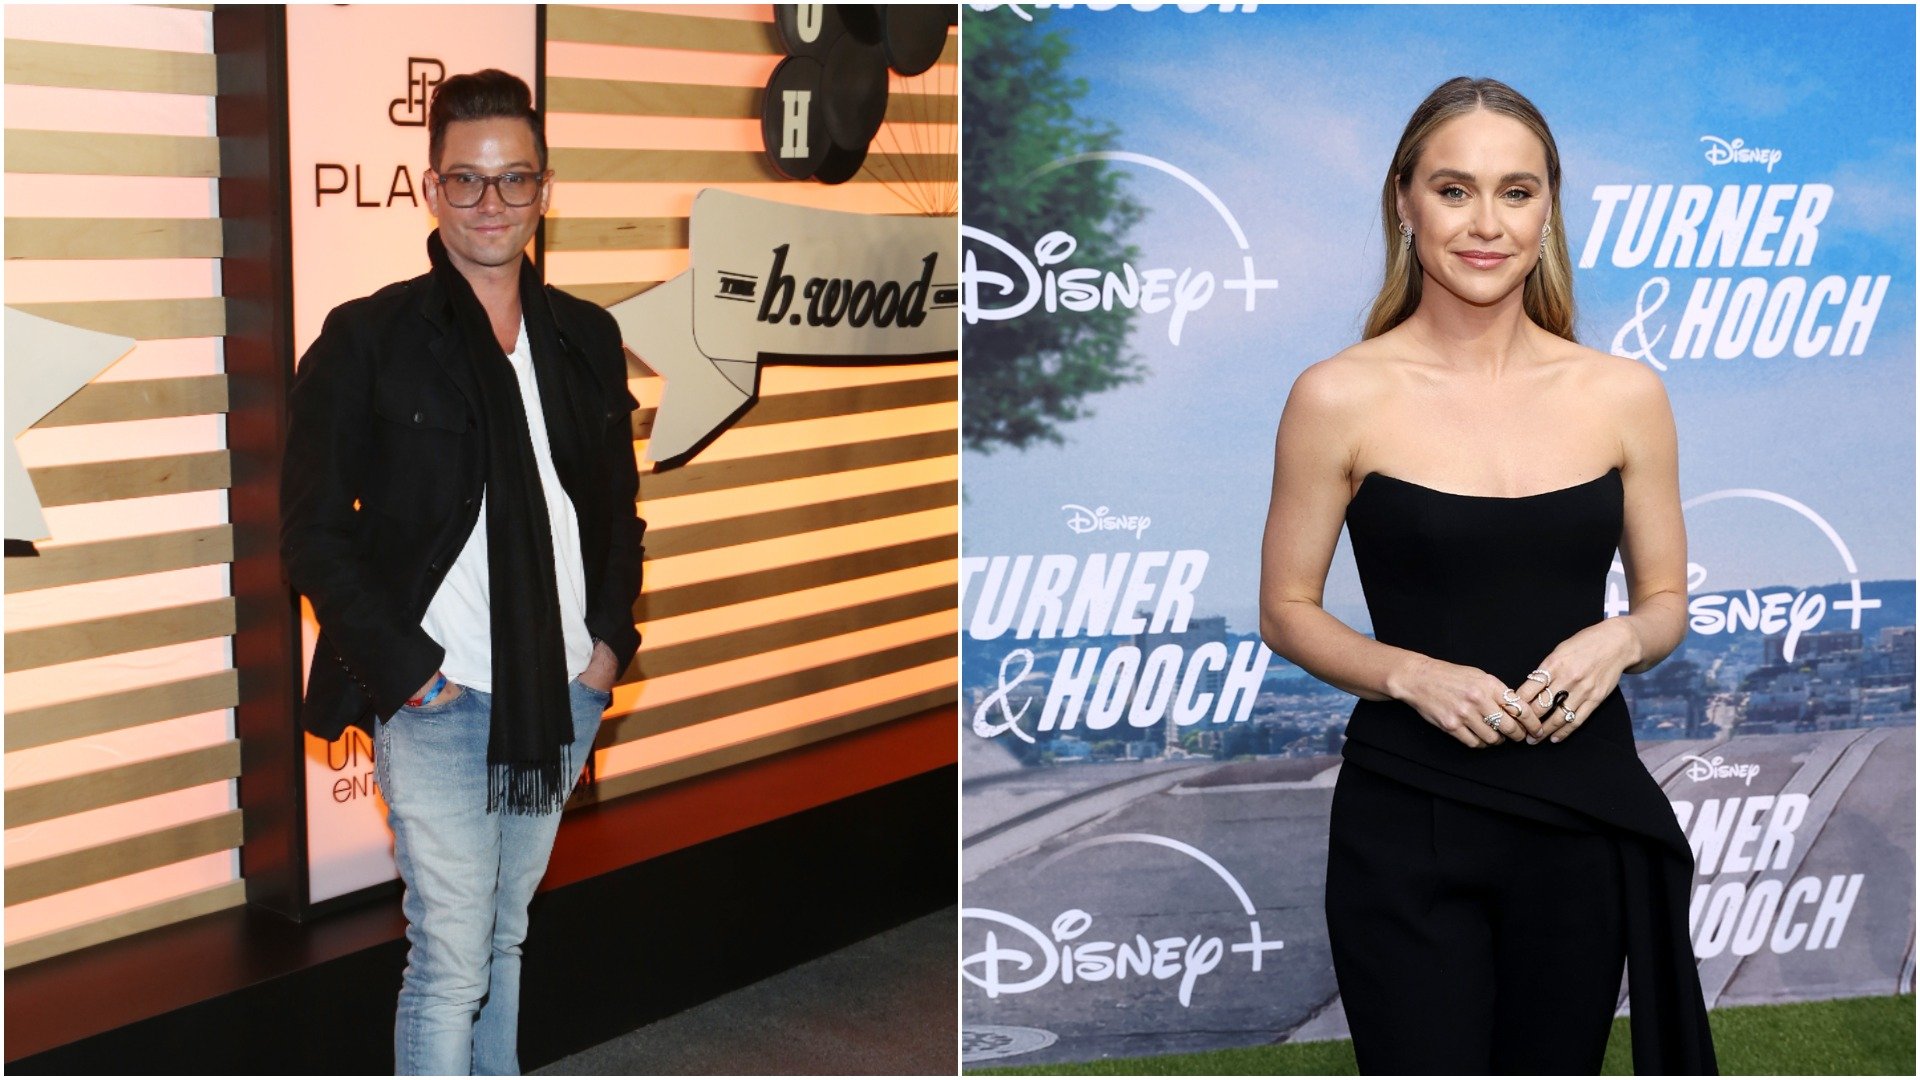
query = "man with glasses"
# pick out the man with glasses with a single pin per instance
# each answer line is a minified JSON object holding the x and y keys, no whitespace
{"x":458,"y":502}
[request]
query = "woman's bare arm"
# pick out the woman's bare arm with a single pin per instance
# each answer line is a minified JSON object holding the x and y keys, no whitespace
{"x":1653,"y":539}
{"x":1312,"y":462}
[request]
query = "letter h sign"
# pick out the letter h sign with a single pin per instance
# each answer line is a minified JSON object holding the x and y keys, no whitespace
{"x":793,"y":142}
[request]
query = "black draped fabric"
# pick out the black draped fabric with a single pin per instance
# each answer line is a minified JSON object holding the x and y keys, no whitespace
{"x":1496,"y":583}
{"x":530,"y":766}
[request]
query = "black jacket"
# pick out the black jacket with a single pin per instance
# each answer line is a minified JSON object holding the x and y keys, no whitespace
{"x":381,"y":484}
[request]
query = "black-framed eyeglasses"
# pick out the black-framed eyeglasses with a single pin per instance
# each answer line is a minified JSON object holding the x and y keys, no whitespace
{"x":465,"y":189}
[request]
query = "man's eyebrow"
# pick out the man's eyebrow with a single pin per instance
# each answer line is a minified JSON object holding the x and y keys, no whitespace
{"x":462,"y":166}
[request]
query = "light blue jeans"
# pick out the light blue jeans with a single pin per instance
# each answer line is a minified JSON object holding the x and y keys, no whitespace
{"x":469,"y":875}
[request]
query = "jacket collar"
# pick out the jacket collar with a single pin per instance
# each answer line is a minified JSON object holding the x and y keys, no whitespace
{"x":436,"y":307}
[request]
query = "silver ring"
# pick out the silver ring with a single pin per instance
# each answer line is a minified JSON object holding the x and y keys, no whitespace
{"x":1492,"y":720}
{"x":1545,"y":700}
{"x":1542,"y":676}
{"x":1567,"y":715}
{"x":1509,"y":696}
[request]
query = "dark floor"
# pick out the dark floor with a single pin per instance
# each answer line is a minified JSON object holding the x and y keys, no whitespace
{"x":888,"y":1004}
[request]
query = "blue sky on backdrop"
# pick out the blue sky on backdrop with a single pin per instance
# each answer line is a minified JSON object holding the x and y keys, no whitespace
{"x":1289,"y":115}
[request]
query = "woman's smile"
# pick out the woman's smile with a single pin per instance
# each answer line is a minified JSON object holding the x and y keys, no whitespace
{"x":1484,"y":260}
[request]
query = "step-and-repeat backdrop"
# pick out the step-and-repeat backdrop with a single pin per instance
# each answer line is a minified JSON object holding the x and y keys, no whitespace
{"x":1168,"y":214}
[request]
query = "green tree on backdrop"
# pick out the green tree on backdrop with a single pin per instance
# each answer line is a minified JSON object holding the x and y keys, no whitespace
{"x":1024,"y":377}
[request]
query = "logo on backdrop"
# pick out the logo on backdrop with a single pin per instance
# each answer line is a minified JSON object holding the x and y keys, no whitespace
{"x":1737,"y":152}
{"x":1812,"y":669}
{"x":1082,"y":520}
{"x":1743,"y":838}
{"x":423,"y":74}
{"x":1754,"y":226}
{"x":773,"y":280}
{"x":1029,"y":958}
{"x":1170,"y":668}
{"x":1046,"y":279}
{"x":351,"y":756}
{"x":332,"y":178}
{"x":1716,"y":768}
{"x":829,"y":301}
{"x":1789,"y":613}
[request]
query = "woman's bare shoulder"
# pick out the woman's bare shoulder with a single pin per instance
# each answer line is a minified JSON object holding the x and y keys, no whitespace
{"x":1350,"y":379}
{"x":1629,"y":384}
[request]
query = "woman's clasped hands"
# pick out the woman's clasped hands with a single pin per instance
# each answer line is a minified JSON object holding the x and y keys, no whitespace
{"x":1549,"y":704}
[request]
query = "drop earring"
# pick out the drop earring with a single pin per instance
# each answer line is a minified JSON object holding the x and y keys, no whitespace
{"x":1406,"y":236}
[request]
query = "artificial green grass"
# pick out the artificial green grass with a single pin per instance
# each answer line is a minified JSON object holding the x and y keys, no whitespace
{"x":1867,"y":1036}
{"x":1870,"y":1036}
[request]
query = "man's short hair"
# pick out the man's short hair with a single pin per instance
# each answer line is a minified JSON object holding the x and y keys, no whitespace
{"x":482,"y":95}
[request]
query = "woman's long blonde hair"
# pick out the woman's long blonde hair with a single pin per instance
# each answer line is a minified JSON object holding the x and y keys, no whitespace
{"x":1548,"y":294}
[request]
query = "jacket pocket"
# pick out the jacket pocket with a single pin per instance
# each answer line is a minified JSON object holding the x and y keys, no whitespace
{"x":416,"y":406}
{"x":421,"y":434}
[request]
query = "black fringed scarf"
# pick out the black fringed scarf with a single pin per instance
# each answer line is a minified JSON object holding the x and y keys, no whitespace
{"x":529,"y":763}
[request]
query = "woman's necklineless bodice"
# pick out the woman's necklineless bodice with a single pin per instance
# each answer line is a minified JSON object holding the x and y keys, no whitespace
{"x":1377,"y":474}
{"x":1493,"y":582}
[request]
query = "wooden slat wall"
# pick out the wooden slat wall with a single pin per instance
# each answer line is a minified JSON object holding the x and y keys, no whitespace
{"x":48,"y":732}
{"x":710,"y":102}
{"x":702,"y":166}
{"x":113,"y":238}
{"x":856,"y":634}
{"x":148,"y":320}
{"x":697,"y":33}
{"x":109,"y":67}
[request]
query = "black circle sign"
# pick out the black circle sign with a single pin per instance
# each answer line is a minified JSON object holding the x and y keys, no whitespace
{"x":842,"y":164}
{"x":854,"y":85}
{"x":790,"y":120}
{"x":861,"y":20}
{"x":828,"y":99}
{"x":914,"y":35}
{"x":809,"y":29}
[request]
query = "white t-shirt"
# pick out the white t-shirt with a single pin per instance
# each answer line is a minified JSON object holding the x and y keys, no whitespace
{"x":458,"y":618}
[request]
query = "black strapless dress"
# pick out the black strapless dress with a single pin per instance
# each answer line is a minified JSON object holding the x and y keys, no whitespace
{"x":1497,"y":583}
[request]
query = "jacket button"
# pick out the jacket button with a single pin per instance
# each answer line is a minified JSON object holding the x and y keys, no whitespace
{"x":419,"y":417}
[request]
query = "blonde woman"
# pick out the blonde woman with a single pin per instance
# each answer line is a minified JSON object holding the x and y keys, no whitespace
{"x":1497,"y":850}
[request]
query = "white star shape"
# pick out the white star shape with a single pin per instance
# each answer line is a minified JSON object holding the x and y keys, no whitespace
{"x":51,"y":360}
{"x":701,"y":392}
